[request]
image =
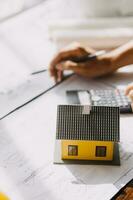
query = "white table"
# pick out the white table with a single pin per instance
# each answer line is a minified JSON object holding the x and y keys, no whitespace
{"x":27,"y":146}
{"x":27,"y":136}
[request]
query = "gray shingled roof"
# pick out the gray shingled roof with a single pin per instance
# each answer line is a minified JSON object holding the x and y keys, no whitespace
{"x":101,"y":124}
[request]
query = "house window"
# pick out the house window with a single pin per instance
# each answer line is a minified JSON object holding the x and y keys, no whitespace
{"x":100,"y":151}
{"x":72,"y":150}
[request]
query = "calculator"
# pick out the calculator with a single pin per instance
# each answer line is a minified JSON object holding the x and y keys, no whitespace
{"x":93,"y":97}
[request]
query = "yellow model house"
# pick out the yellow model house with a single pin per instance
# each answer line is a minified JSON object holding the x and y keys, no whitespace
{"x":87,"y":133}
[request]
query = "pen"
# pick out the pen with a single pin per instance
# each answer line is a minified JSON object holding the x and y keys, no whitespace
{"x":88,"y":57}
{"x":38,"y":72}
{"x":78,"y":59}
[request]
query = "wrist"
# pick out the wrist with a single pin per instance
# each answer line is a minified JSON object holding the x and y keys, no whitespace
{"x":109,"y":62}
{"x":122,"y":56}
{"x":114,"y":60}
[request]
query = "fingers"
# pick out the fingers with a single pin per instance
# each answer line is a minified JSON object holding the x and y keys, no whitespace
{"x":129,"y":88}
{"x":68,"y":65}
{"x":60,"y":76}
{"x":129,"y":91}
{"x":67,"y":54}
{"x":87,"y":69}
{"x":59,"y":68}
{"x":57,"y":71}
{"x":59,"y":58}
{"x":131,"y":95}
{"x":53,"y":72}
{"x":78,"y":68}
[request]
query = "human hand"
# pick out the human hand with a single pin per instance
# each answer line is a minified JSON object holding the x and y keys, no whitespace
{"x":129,"y":91}
{"x":62,"y":61}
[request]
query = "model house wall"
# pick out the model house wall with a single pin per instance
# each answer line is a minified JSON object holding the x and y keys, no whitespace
{"x":87,"y":150}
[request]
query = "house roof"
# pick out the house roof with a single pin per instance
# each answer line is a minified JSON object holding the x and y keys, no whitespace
{"x":101,"y":124}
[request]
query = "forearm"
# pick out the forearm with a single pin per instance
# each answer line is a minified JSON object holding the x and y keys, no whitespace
{"x":122,"y":56}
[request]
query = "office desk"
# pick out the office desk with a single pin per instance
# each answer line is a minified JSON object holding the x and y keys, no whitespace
{"x":27,"y":140}
{"x":27,"y":147}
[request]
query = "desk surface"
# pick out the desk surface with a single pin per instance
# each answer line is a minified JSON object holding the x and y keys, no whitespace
{"x":27,"y":140}
{"x":27,"y":146}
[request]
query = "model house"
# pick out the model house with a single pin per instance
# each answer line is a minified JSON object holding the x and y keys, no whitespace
{"x":87,"y":132}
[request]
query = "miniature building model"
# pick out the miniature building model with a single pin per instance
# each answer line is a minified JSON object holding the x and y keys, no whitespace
{"x":87,"y":133}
